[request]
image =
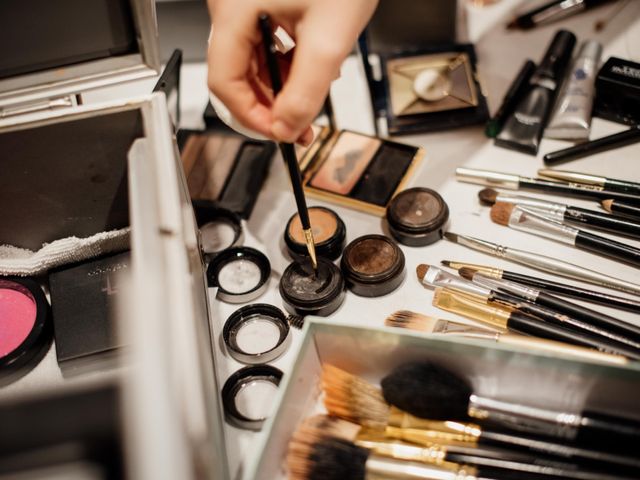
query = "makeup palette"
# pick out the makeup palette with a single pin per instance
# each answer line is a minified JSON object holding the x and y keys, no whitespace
{"x":356,"y":170}
{"x":329,"y":233}
{"x":417,"y":216}
{"x":241,"y":274}
{"x":373,"y":265}
{"x":25,"y":327}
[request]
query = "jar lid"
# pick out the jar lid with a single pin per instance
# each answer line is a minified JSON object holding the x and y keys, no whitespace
{"x":240,"y":273}
{"x":309,"y":292}
{"x":220,"y":228}
{"x":373,"y":265}
{"x":417,"y":216}
{"x":329,"y":234}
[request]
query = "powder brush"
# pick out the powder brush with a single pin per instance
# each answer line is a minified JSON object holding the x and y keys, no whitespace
{"x":550,"y":286}
{"x":527,"y":220}
{"x":287,"y":149}
{"x":566,"y":213}
{"x":423,"y":323}
{"x":543,"y":263}
{"x":356,"y":400}
{"x":444,"y":394}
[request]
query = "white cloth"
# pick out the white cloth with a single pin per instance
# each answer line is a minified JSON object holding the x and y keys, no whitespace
{"x":23,"y":262}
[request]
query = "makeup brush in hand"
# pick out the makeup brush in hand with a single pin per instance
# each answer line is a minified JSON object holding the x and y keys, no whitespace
{"x":428,"y":390}
{"x":287,"y":149}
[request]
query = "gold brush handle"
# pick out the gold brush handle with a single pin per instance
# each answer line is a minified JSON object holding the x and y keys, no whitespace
{"x":554,"y":347}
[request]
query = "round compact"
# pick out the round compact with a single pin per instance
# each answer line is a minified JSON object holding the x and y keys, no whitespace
{"x":25,"y":327}
{"x":256,"y":334}
{"x":248,"y":395}
{"x":373,"y":265}
{"x":309,"y":292}
{"x":241,"y":274}
{"x":417,"y":216}
{"x":219,"y":228}
{"x":329,"y":233}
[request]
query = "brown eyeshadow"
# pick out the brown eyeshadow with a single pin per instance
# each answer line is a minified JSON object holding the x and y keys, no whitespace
{"x":418,"y":208}
{"x":323,"y":225}
{"x":372,"y":256}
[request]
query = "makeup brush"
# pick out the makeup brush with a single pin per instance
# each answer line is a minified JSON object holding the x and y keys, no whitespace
{"x":543,"y":263}
{"x":566,"y":213}
{"x":415,"y":321}
{"x":287,"y":149}
{"x":614,"y":206}
{"x":477,"y":461}
{"x":527,"y":220}
{"x":550,"y":286}
{"x":597,"y":181}
{"x":622,"y":331}
{"x":428,"y":390}
{"x":353,"y":398}
{"x":516,"y":182}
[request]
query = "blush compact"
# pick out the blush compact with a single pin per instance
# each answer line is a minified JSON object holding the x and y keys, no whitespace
{"x":240,"y":273}
{"x":329,"y":233}
{"x":308,"y":292}
{"x":373,"y":265}
{"x":25,"y":327}
{"x":417,"y":216}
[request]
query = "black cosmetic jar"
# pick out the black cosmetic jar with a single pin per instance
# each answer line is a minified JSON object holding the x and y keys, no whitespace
{"x":417,"y":217}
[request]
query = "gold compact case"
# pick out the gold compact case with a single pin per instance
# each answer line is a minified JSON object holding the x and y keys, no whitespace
{"x":356,"y":170}
{"x":431,"y":83}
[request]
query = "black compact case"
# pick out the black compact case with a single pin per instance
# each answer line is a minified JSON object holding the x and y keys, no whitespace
{"x":618,"y":91}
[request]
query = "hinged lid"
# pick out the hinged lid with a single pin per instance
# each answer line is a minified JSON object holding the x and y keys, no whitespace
{"x":53,"y":49}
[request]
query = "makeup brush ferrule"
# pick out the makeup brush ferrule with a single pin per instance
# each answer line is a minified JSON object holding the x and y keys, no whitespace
{"x":481,"y":245}
{"x":381,"y":467}
{"x":489,"y":271}
{"x":434,"y":454}
{"x":469,"y":307}
{"x":554,"y":210}
{"x":494,"y":284}
{"x":467,"y":434}
{"x":436,"y":277}
{"x":487,"y":177}
{"x":572,"y":177}
{"x":311,"y":247}
{"x":530,"y":221}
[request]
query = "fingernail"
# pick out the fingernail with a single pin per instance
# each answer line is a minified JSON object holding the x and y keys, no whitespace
{"x":283,"y":132}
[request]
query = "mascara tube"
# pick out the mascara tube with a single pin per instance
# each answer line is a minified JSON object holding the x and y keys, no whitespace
{"x":571,"y":118}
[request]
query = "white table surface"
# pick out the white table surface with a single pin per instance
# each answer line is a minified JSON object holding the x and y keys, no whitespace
{"x":500,"y":55}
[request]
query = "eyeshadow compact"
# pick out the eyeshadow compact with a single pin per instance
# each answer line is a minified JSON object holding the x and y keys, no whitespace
{"x":219,"y":228}
{"x":329,"y":234}
{"x":240,"y":273}
{"x":257,"y":333}
{"x":373,"y":265}
{"x":417,"y":216}
{"x":308,"y":292}
{"x":248,"y":396}
{"x":225,"y":167}
{"x":25,"y":327}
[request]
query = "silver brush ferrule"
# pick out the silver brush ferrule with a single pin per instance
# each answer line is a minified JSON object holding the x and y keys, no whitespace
{"x":525,"y":418}
{"x":487,"y":177}
{"x":436,"y":277}
{"x":552,"y":210}
{"x":455,"y":328}
{"x":381,"y":467}
{"x":531,"y":221}
{"x":481,"y":245}
{"x":505,"y":285}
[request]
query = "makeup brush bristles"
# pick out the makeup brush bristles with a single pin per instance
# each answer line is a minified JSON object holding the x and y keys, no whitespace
{"x":421,"y":271}
{"x":452,"y":237}
{"x":501,"y":212}
{"x":410,"y":320}
{"x":466,"y":273}
{"x":487,"y":196}
{"x":352,"y":398}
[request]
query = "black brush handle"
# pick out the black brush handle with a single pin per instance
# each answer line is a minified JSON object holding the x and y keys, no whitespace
{"x":575,"y":191}
{"x":528,"y":325}
{"x":588,"y":315}
{"x":602,"y":221}
{"x":602,"y":429}
{"x":630,"y":211}
{"x":571,"y":291}
{"x":616,"y":185}
{"x":608,"y":248}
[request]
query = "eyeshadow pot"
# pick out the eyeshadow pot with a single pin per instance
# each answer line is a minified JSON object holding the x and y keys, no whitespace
{"x":417,"y":216}
{"x":240,"y":273}
{"x":308,"y":292}
{"x":256,"y":334}
{"x":329,"y":233}
{"x":373,"y":265}
{"x":25,"y":327}
{"x":248,"y":396}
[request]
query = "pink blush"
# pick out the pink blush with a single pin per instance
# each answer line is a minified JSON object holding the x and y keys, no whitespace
{"x":17,"y":318}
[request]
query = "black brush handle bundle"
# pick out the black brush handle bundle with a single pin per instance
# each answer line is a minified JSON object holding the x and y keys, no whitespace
{"x":626,"y":209}
{"x":603,"y":221}
{"x":610,"y":248}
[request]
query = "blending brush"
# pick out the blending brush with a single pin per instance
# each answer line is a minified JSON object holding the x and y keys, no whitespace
{"x":550,"y":286}
{"x":544,"y":263}
{"x":353,"y":398}
{"x":287,"y":149}
{"x":422,"y":323}
{"x":527,"y":220}
{"x":566,"y":213}
{"x":451,"y":458}
{"x":428,"y":390}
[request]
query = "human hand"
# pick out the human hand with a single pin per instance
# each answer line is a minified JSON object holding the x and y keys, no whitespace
{"x":324,"y":31}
